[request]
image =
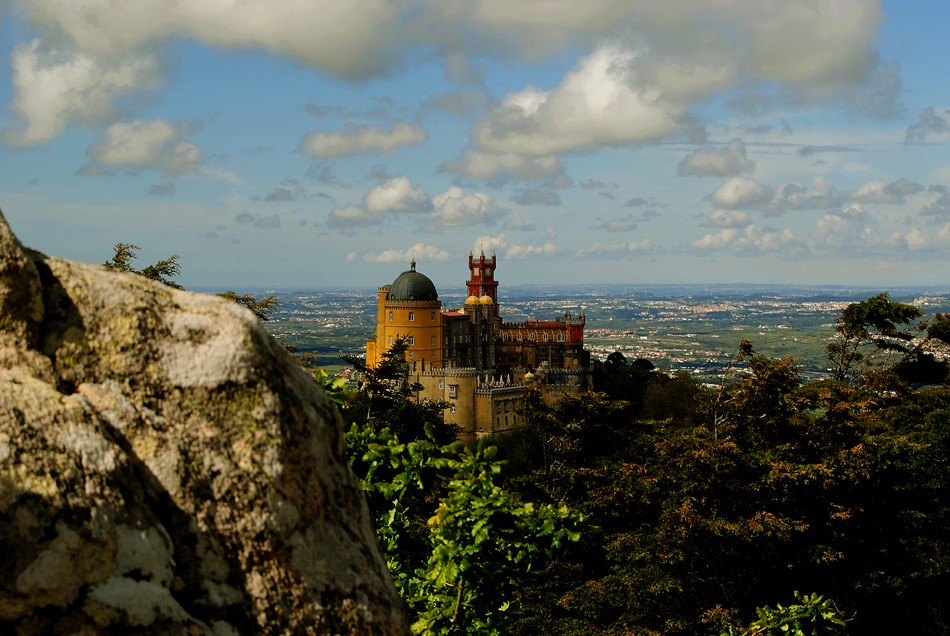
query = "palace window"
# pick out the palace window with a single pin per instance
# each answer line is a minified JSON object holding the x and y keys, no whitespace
{"x":433,"y":341}
{"x":545,"y":337}
{"x":411,"y":341}
{"x":412,"y":316}
{"x":560,"y":337}
{"x":533,"y":336}
{"x":432,"y":316}
{"x":452,"y":408}
{"x":453,"y":390}
{"x":390,"y":316}
{"x":390,"y":340}
{"x":441,"y":385}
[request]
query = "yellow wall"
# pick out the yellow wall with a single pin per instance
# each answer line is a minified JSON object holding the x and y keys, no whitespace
{"x":419,"y":320}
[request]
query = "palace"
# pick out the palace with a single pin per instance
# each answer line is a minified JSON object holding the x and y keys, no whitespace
{"x":472,"y":360}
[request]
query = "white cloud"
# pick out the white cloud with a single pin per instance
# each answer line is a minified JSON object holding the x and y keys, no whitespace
{"x":516,"y":252}
{"x":932,"y":124}
{"x":56,"y":87}
{"x":396,"y":195}
{"x":727,"y":219}
{"x":895,"y":192}
{"x":419,"y":252}
{"x":744,"y":193}
{"x":710,"y":161}
{"x":845,"y":229}
{"x":747,"y":241}
{"x":352,"y":216}
{"x":623,"y":224}
{"x":597,"y":104}
{"x":618,"y":249}
{"x":489,"y":243}
{"x":147,"y":144}
{"x":350,"y":39}
{"x":487,"y":166}
{"x":663,"y":59}
{"x":354,"y":140}
{"x":455,"y":208}
{"x":741,"y":192}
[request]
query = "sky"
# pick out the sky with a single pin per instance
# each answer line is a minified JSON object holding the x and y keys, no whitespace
{"x":314,"y":144}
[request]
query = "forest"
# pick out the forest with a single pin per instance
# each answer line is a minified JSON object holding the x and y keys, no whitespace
{"x":658,"y":505}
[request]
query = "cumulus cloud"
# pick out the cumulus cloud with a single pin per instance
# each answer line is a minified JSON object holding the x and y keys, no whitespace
{"x":619,"y":249}
{"x":710,"y":161}
{"x":351,"y":40}
{"x":747,"y":241}
{"x":744,"y":193}
{"x":520,"y":224}
{"x":939,"y":208}
{"x":268,"y":222}
{"x":516,"y":252}
{"x":396,"y":194}
{"x":161,"y":189}
{"x":419,"y":252}
{"x":932,"y":122}
{"x":741,"y":192}
{"x":623,"y":224}
{"x":728,"y":219}
{"x":141,"y":144}
{"x":352,"y":216}
{"x":288,"y":190}
{"x":664,"y":57}
{"x":244,"y":217}
{"x":597,"y":104}
{"x":895,"y":192}
{"x":536,"y":196}
{"x":55,"y":87}
{"x":487,"y":166}
{"x":355,"y":140}
{"x":845,"y":229}
{"x":455,"y":208}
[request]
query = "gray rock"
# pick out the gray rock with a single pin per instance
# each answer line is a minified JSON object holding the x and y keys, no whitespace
{"x":167,"y":468}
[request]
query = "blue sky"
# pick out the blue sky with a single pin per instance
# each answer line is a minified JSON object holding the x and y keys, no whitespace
{"x":317,"y":144}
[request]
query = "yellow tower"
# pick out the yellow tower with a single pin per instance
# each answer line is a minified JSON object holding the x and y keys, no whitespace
{"x":409,"y":308}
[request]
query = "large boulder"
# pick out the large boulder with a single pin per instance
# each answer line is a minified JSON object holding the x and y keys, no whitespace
{"x":167,"y":468}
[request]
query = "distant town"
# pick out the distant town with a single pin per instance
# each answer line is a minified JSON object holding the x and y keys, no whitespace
{"x":693,"y":328}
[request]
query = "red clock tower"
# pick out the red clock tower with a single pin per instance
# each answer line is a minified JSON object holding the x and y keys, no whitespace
{"x":481,"y":280}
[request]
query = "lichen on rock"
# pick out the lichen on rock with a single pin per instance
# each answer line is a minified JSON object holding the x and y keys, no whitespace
{"x":167,"y":468}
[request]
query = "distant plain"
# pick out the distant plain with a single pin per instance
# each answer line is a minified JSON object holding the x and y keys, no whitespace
{"x":683,"y":327}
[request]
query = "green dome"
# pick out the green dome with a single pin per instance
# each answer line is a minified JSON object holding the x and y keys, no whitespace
{"x":411,"y":285}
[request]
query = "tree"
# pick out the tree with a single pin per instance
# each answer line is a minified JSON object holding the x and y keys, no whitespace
{"x":260,"y":308}
{"x":387,"y":399}
{"x":166,"y":269}
{"x":459,"y":547}
{"x":812,"y":615}
{"x":163,"y":271}
{"x":879,"y":337}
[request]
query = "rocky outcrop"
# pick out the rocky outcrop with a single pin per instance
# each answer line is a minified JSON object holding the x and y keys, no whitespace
{"x":166,"y":468}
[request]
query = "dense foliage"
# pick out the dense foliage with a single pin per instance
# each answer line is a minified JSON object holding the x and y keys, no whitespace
{"x":732,"y":498}
{"x":700,"y":510}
